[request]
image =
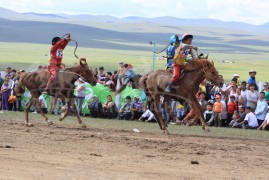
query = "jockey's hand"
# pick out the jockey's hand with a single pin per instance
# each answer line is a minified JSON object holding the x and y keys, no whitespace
{"x":68,"y":38}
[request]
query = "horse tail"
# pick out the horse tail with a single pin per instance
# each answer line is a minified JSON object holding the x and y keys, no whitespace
{"x":118,"y":91}
{"x":20,"y":87}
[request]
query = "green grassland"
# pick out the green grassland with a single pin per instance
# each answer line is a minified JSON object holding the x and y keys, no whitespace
{"x":116,"y":124}
{"x":29,"y":56}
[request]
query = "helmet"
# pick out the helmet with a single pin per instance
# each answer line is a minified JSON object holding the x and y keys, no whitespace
{"x":55,"y":40}
{"x":186,"y":36}
{"x":174,"y":39}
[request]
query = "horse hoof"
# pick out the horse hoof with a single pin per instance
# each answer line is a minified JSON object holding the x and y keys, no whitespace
{"x":50,"y":122}
{"x":83,"y":126}
{"x":206,"y":129}
{"x":29,"y":125}
{"x":166,"y":132}
{"x":61,"y":118}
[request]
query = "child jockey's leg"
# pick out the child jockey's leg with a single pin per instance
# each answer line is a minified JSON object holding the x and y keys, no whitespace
{"x":53,"y":71}
{"x":175,"y":78}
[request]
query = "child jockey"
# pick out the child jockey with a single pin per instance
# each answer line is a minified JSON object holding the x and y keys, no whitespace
{"x":56,"y":55}
{"x":183,"y":50}
{"x":170,"y":52}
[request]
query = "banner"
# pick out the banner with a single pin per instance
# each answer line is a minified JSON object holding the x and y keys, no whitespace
{"x":99,"y":90}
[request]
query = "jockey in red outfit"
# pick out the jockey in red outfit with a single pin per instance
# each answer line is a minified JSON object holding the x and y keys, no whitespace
{"x":56,"y":55}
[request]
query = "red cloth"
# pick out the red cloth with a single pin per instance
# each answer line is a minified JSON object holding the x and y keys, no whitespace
{"x":176,"y":74}
{"x":232,"y":107}
{"x":56,"y":52}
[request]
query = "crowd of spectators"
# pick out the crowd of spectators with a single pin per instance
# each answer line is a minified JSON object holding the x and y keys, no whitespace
{"x":236,"y":104}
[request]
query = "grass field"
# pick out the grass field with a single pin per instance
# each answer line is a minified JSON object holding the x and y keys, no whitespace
{"x":30,"y":56}
{"x":143,"y":127}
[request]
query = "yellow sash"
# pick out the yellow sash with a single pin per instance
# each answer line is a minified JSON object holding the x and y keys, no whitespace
{"x":179,"y":58}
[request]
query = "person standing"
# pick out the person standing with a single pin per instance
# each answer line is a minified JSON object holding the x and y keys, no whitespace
{"x":217,"y":109}
{"x":80,"y":94}
{"x":261,"y":109}
{"x":252,"y":97}
{"x":266,"y":91}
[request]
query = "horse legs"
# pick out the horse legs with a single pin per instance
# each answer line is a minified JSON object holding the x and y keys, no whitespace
{"x":42,"y":114}
{"x":198,"y":110}
{"x":158,"y":114}
{"x":67,"y":110}
{"x":27,"y":113}
{"x":76,"y":113}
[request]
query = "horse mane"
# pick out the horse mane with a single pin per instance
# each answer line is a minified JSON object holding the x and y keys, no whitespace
{"x":72,"y":67}
{"x":197,"y":64}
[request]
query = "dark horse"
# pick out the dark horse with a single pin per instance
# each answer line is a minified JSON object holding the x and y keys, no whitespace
{"x":155,"y":82}
{"x":63,"y":87}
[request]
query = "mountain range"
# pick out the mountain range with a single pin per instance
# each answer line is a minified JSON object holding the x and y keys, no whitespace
{"x":131,"y":33}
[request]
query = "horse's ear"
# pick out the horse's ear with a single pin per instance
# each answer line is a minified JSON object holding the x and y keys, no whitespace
{"x":212,"y":63}
{"x":83,"y":61}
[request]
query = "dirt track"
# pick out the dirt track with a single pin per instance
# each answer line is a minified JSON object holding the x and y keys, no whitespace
{"x":43,"y":152}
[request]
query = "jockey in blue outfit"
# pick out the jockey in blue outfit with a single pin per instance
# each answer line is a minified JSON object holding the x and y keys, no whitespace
{"x":170,"y":51}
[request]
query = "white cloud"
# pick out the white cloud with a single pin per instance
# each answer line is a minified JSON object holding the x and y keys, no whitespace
{"x":249,"y":11}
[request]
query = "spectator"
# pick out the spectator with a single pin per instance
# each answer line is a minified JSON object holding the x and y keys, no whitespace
{"x":109,"y":82}
{"x":261,"y":109}
{"x":16,"y":106}
{"x":95,"y":108}
{"x":8,"y":71}
{"x":147,"y":116}
{"x":235,"y":118}
{"x":101,"y":75}
{"x":121,"y":72}
{"x":40,"y":67}
{"x":5,"y":94}
{"x":239,"y":100}
{"x":43,"y":104}
{"x":232,"y":92}
{"x":209,"y":114}
{"x":180,"y":111}
{"x":110,"y":109}
{"x":137,"y":108}
{"x":114,"y":79}
{"x":217,"y":109}
{"x":129,"y":73}
{"x":236,"y":123}
{"x":250,"y":121}
{"x":64,"y":109}
{"x":252,"y":79}
{"x":202,"y":101}
{"x":80,"y":94}
{"x":266,"y":91}
{"x":244,"y":90}
{"x":231,"y":108}
{"x":236,"y":79}
{"x":125,"y":111}
{"x":252,"y":97}
{"x":1,"y":83}
{"x":265,"y":124}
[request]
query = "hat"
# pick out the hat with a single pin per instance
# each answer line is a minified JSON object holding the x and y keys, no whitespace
{"x":232,"y":96}
{"x":130,"y":66}
{"x":94,"y":96}
{"x":121,"y":62}
{"x":236,"y":75}
{"x":22,"y":70}
{"x":187,"y":35}
{"x":8,"y":67}
{"x":136,"y":96}
{"x":218,"y":96}
{"x":252,"y":71}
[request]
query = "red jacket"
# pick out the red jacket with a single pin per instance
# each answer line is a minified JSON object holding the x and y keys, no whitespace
{"x":232,"y":107}
{"x":56,"y":52}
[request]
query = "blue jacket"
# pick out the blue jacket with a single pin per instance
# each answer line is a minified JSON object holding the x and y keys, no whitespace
{"x":251,"y":80}
{"x":129,"y":73}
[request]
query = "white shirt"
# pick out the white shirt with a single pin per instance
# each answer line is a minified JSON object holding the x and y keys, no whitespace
{"x":43,"y":101}
{"x":244,"y":95}
{"x":266,"y":118}
{"x":251,"y":119}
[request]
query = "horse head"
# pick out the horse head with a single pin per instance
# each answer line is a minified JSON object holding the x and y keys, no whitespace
{"x":86,"y":72}
{"x":212,"y":75}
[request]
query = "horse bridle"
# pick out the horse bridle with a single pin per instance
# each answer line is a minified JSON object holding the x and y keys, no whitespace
{"x":210,"y":79}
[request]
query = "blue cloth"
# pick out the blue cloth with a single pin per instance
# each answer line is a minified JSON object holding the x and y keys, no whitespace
{"x":261,"y":109}
{"x":251,"y":80}
{"x":129,"y":73}
{"x":170,"y":52}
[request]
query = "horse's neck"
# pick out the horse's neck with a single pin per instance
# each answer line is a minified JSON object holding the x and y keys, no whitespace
{"x":73,"y":73}
{"x":197,"y":76}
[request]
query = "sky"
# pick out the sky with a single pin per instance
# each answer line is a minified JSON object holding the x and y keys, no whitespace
{"x":248,"y":11}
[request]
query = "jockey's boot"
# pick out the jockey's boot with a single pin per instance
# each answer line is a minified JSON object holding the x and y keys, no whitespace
{"x":169,"y":87}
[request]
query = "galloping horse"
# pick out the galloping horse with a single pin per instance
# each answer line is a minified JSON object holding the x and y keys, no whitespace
{"x":186,"y":88}
{"x":63,"y":87}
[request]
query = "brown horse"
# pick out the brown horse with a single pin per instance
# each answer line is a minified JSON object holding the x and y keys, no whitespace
{"x":186,"y":88}
{"x":62,"y":87}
